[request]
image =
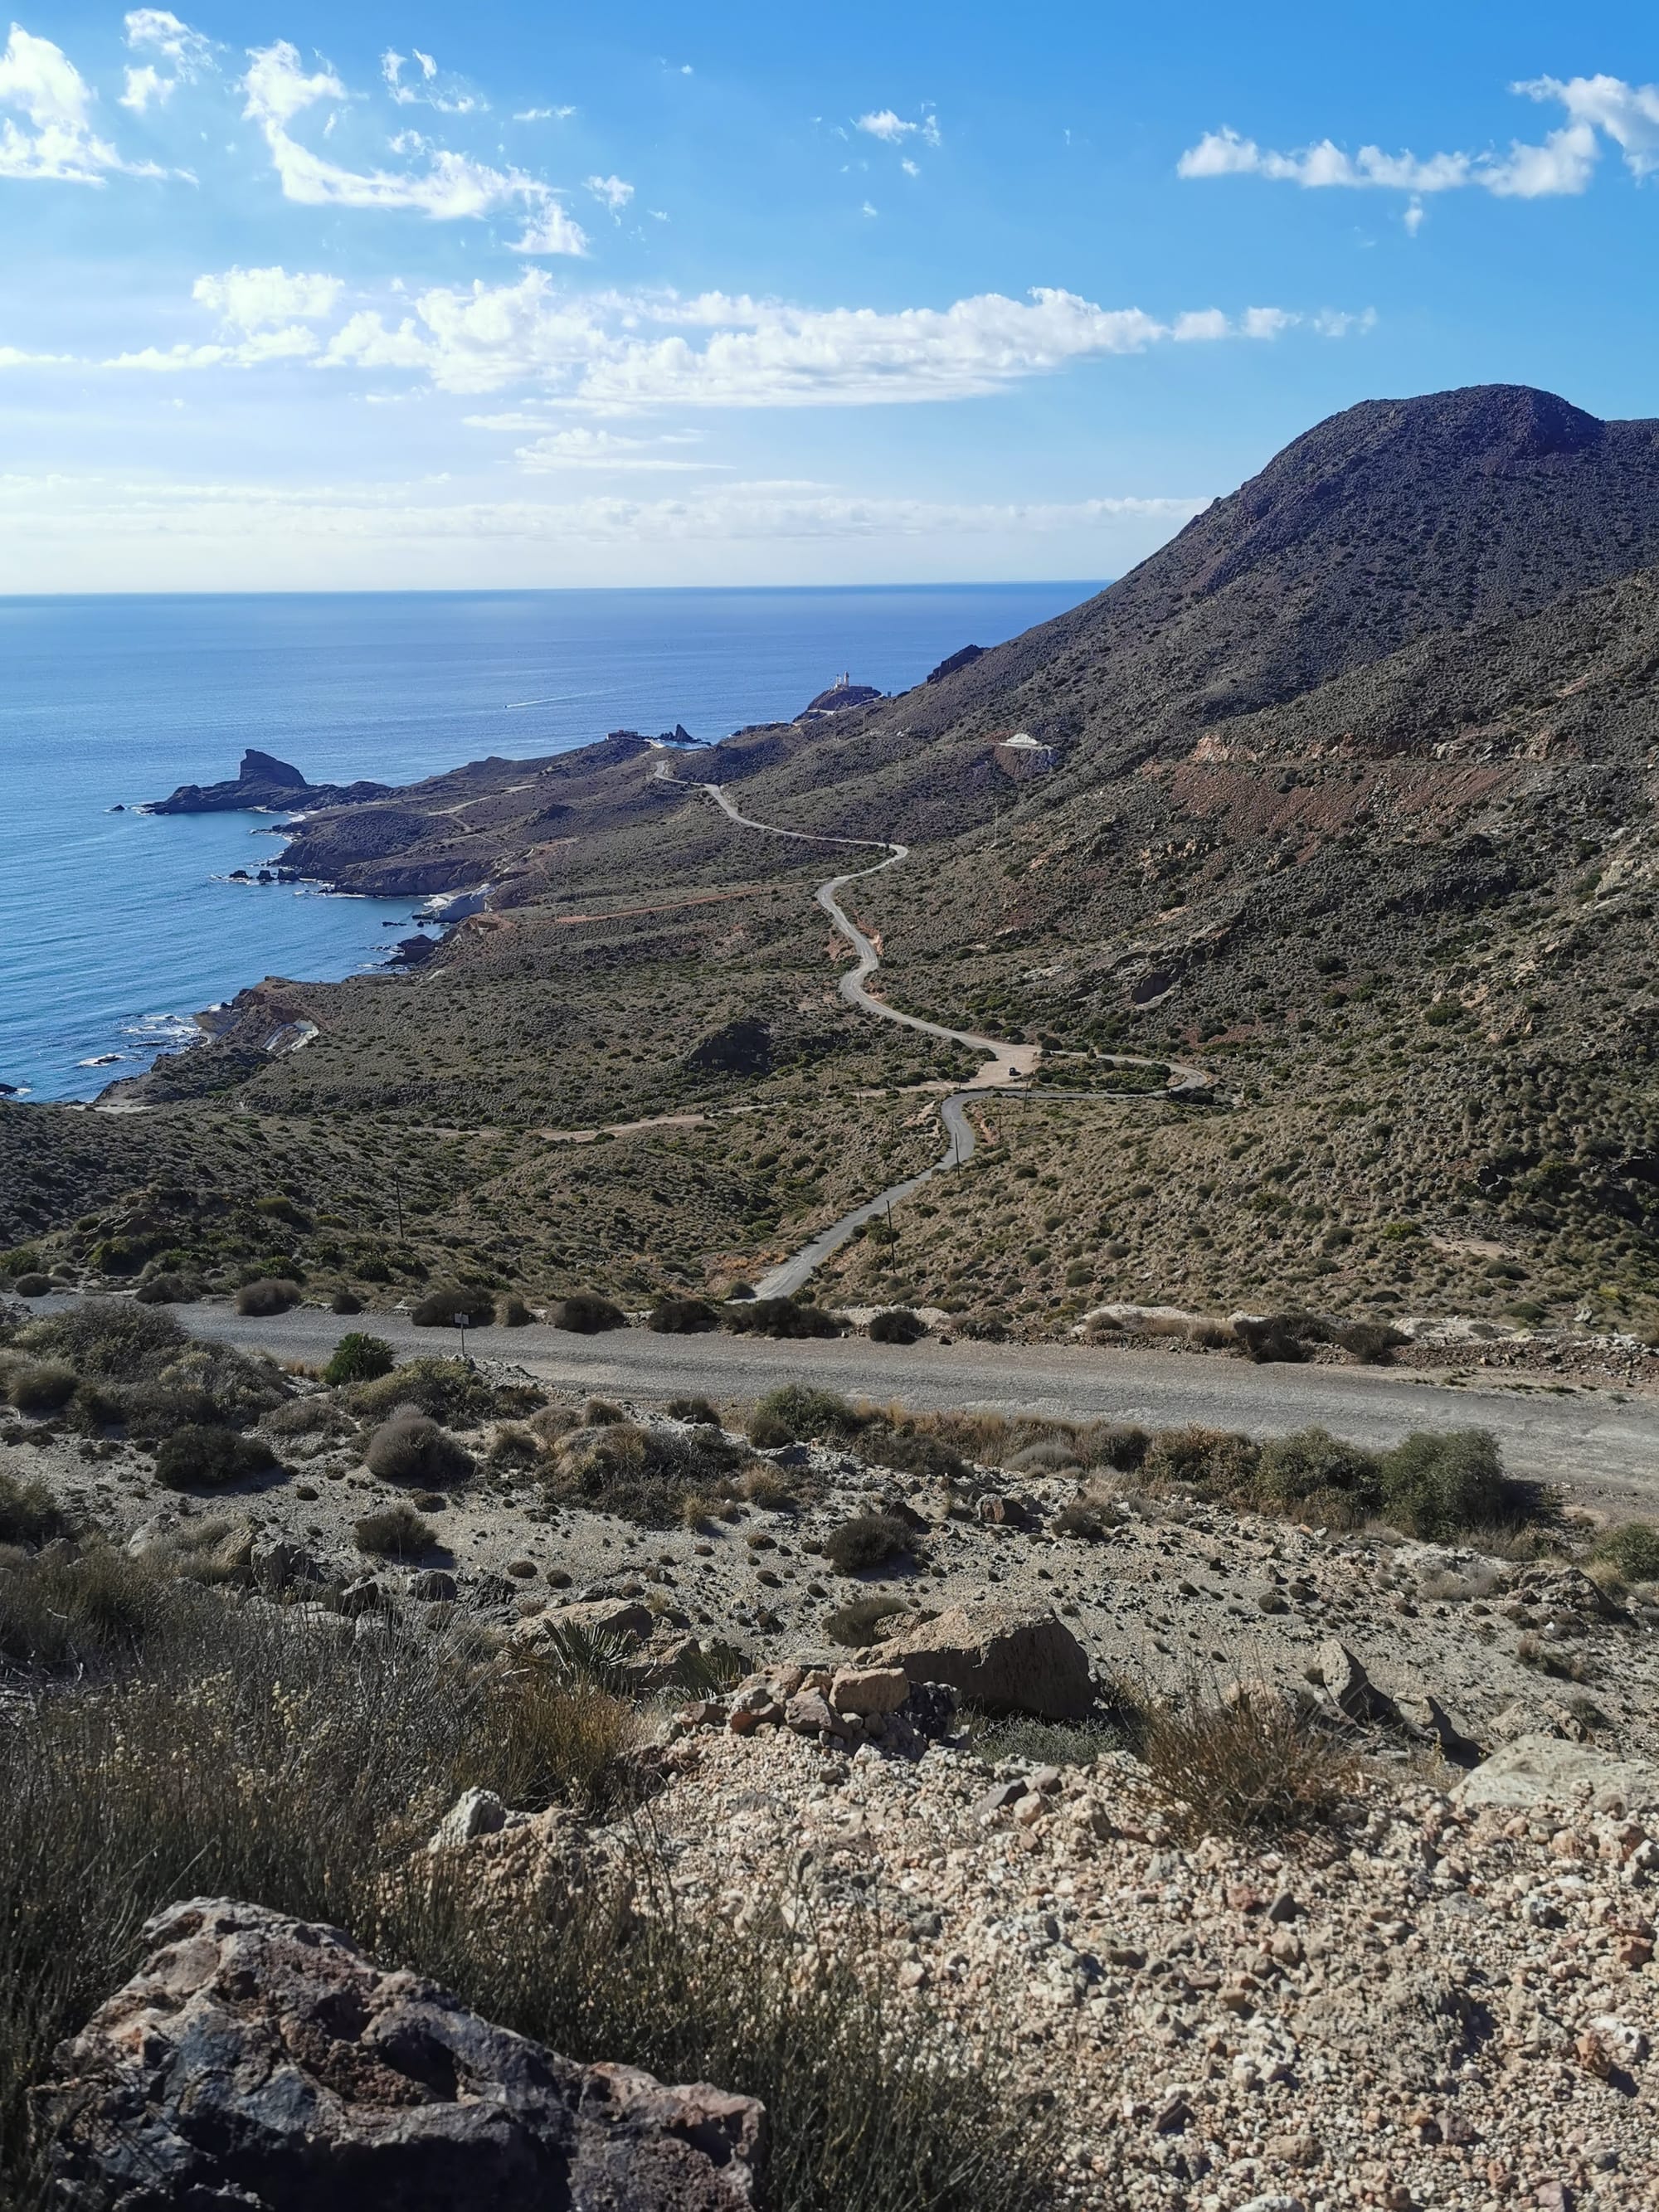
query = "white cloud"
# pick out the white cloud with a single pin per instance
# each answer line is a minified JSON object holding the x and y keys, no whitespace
{"x":910,"y":169}
{"x":613,"y":192}
{"x":259,"y":299}
{"x":1626,"y":113}
{"x":160,"y":32}
{"x":543,"y":114}
{"x":597,"y":352}
{"x":452,"y":187}
{"x":397,"y":512}
{"x":582,"y":448}
{"x":39,"y":79}
{"x":293,"y":343}
{"x":893,"y":129}
{"x":1564,"y":163}
{"x":449,"y":99}
{"x":549,"y":230}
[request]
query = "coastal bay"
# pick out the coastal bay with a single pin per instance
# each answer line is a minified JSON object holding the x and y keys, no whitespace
{"x":119,"y":927}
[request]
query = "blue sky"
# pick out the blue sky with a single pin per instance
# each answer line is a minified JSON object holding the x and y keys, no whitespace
{"x":421,"y":296}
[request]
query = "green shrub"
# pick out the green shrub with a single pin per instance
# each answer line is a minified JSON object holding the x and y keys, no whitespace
{"x":1282,"y":1337}
{"x":443,"y":1309}
{"x":1116,"y":1444}
{"x":683,"y":1317}
{"x":270,"y":1294}
{"x":512,"y":1312}
{"x":868,"y":1540}
{"x":61,"y":1609}
{"x":648,"y":1476}
{"x":411,"y":1448}
{"x":395,"y":1532}
{"x":897,"y":1325}
{"x":28,"y":1513}
{"x":21,"y":1260}
{"x":1373,"y":1343}
{"x":42,"y":1387}
{"x":1632,"y":1550}
{"x":797,"y":1412}
{"x":1436,"y":1485}
{"x":781,"y":1318}
{"x":910,"y":1449}
{"x":154,"y":1411}
{"x":450,"y":1390}
{"x":586,"y":1314}
{"x":1315,"y":1476}
{"x":112,"y":1339}
{"x":1218,"y":1462}
{"x":695,"y":1410}
{"x":32,"y":1285}
{"x":118,"y":1255}
{"x":358,"y":1358}
{"x":345,"y":1301}
{"x":207,"y":1457}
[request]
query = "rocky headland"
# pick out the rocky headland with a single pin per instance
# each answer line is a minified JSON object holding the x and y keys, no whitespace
{"x":265,"y":784}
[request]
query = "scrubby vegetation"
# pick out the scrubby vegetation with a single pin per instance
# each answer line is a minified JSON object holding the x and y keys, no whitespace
{"x":412,"y":1447}
{"x":358,"y":1358}
{"x":683,"y":1317}
{"x":448,"y":1390}
{"x":586,"y":1314}
{"x":269,"y":1294}
{"x":444,"y":1308}
{"x":395,"y":1532}
{"x":1249,"y":1765}
{"x":781,"y":1317}
{"x":867,"y":1541}
{"x":208,"y":1456}
{"x":648,"y":1476}
{"x":204,"y":1751}
{"x":1631,"y":1550}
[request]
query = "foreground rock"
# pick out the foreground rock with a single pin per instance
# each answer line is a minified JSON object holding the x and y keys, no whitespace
{"x":1537,"y":1771}
{"x":1002,"y":1661}
{"x":262,"y":2062}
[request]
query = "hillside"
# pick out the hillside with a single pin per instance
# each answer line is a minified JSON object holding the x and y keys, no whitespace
{"x":1348,"y":790}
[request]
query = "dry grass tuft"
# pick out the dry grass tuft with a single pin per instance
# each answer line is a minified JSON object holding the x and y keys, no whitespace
{"x":1249,"y":1766}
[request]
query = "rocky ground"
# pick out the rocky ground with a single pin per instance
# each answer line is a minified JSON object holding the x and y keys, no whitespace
{"x":1168,"y":1588}
{"x":1437,"y":1989}
{"x":1442,"y":2001}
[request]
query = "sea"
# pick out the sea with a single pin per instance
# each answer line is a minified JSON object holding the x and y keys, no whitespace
{"x":118,"y":926}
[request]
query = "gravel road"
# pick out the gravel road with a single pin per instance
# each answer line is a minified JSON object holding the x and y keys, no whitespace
{"x":1601,"y":1445}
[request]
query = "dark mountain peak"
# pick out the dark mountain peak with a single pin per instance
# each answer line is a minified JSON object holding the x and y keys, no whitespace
{"x":271,"y":774}
{"x":1476,"y":425}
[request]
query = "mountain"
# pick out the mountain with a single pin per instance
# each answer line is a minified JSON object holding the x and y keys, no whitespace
{"x":1346,"y":792}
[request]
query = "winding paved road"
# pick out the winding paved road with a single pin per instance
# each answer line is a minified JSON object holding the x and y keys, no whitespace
{"x":1007,"y":1064}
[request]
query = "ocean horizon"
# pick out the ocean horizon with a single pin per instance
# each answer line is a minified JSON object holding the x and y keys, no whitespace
{"x":119,"y":927}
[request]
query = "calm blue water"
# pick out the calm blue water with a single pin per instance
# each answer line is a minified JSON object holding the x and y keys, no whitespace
{"x":114,"y":928}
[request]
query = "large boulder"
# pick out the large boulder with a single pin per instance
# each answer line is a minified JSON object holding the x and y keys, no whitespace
{"x":1002,"y":1661}
{"x":264,"y":2062}
{"x":1541,"y":1770}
